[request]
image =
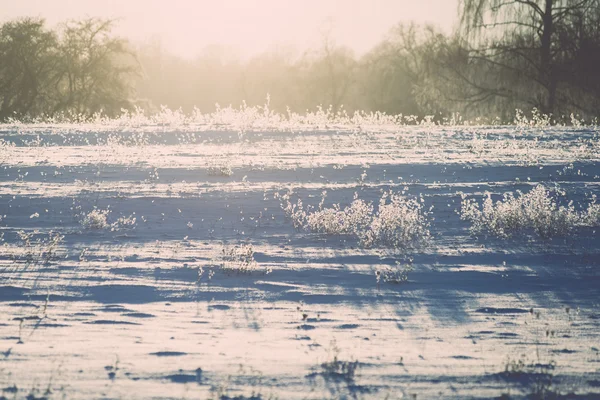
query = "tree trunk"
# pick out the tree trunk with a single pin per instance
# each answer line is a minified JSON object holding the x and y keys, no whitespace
{"x":547,"y":75}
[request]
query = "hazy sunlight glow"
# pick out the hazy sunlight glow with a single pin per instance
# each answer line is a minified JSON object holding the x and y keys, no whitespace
{"x":185,"y":27}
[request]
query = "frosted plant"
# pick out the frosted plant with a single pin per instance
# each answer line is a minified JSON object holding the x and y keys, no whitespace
{"x":351,"y":220}
{"x":543,"y":214}
{"x":591,"y":217}
{"x":219,"y":170}
{"x":536,"y":211}
{"x":5,"y":149}
{"x":95,"y":219}
{"x":295,"y":212}
{"x":577,"y":121}
{"x":124,"y":223}
{"x":538,"y":120}
{"x":337,"y":370}
{"x":50,"y":246}
{"x":397,"y":274}
{"x":238,"y":259}
{"x":398,"y":222}
{"x":41,"y":250}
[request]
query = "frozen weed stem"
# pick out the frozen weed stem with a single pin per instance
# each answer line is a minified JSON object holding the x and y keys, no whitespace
{"x":40,"y":250}
{"x":238,"y":259}
{"x":396,"y":275}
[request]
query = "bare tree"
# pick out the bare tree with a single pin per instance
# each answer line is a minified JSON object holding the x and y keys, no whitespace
{"x":329,"y":72}
{"x":522,"y":36}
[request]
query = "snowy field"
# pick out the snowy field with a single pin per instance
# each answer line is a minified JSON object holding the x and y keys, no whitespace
{"x":316,"y":261}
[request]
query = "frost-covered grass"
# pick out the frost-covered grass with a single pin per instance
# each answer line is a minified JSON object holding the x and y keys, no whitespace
{"x":261,"y":117}
{"x":397,"y":222}
{"x":537,"y":212}
{"x":219,"y":140}
{"x":242,"y":118}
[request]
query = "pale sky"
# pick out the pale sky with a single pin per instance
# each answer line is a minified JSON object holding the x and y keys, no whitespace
{"x":185,"y":27}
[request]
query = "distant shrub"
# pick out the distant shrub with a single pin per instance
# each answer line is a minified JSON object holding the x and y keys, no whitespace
{"x":536,"y":211}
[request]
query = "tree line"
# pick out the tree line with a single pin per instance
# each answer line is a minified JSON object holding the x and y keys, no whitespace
{"x":503,"y":55}
{"x":78,"y":69}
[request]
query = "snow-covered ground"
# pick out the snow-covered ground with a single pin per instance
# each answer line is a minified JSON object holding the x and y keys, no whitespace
{"x":154,"y":261}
